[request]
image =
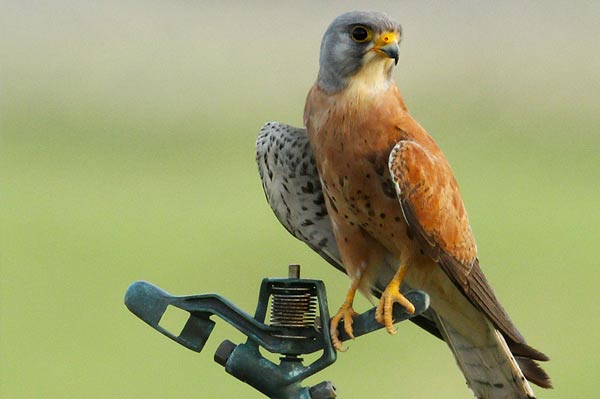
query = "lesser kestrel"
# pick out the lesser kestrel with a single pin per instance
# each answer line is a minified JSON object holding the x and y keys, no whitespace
{"x":366,"y":187}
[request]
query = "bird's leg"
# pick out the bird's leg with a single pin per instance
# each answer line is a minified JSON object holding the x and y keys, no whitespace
{"x":392,"y":295}
{"x":346,"y":312}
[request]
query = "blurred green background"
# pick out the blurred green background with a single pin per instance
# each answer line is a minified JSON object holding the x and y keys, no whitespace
{"x":127,"y":152}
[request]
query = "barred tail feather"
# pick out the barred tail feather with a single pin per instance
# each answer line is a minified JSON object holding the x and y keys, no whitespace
{"x":491,"y":370}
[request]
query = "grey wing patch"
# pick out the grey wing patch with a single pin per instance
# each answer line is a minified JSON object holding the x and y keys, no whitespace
{"x":292,"y":186}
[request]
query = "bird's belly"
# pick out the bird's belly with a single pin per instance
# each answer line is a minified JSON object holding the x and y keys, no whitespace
{"x":363,"y":197}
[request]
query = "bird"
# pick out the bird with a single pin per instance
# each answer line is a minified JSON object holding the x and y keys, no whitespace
{"x":366,"y":187}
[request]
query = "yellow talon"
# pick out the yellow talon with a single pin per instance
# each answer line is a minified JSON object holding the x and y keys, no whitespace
{"x":390,"y":296}
{"x":346,"y":313}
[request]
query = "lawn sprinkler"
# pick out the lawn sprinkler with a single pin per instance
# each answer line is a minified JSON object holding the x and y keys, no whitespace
{"x":298,"y":325}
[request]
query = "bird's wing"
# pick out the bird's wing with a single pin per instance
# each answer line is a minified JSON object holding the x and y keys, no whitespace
{"x":435,"y":213}
{"x":291,"y":183}
{"x":292,"y":187}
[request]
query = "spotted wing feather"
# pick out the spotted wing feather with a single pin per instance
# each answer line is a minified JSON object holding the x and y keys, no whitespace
{"x":292,"y":187}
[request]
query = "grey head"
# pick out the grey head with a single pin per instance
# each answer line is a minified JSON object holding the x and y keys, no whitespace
{"x":352,"y":41}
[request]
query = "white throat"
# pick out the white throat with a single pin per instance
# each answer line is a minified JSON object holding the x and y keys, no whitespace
{"x":374,"y":77}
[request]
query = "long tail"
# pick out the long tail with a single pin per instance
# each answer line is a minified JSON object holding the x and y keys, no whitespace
{"x":491,"y":370}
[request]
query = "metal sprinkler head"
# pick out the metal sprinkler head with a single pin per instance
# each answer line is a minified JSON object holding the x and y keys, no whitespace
{"x":298,"y":325}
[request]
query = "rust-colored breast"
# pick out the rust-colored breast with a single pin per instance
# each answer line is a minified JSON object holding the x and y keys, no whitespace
{"x":352,"y":137}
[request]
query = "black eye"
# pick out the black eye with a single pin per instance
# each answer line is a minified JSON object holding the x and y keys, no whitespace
{"x":360,"y":34}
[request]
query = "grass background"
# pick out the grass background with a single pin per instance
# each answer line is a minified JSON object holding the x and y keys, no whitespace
{"x":127,"y":152}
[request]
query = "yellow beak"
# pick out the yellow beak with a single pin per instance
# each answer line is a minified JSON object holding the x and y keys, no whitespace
{"x":387,"y":45}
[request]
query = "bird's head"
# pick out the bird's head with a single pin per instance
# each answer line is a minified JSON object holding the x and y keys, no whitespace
{"x":359,"y":45}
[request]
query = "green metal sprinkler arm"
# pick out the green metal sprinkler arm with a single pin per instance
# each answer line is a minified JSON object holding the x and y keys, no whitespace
{"x":149,"y":303}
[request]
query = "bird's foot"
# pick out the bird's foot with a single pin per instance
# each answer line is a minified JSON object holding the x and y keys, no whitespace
{"x":390,"y":296}
{"x":346,"y":313}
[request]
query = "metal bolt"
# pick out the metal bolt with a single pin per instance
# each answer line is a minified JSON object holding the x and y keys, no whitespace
{"x":324,"y":390}
{"x":294,"y":271}
{"x":224,"y":351}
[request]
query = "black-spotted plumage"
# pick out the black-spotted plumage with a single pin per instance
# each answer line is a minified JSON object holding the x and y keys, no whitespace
{"x":285,"y":160}
{"x":293,"y":189}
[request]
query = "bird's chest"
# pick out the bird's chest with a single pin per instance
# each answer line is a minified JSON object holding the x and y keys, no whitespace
{"x":352,"y":158}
